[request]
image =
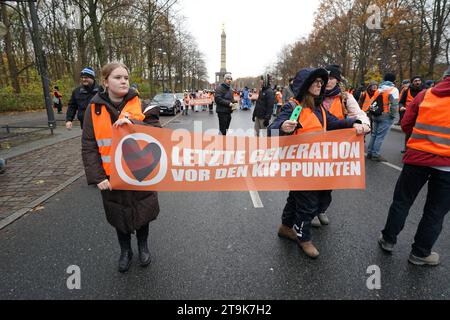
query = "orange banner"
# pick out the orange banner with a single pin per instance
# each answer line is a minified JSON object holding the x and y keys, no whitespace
{"x":201,"y":101}
{"x":253,"y":96}
{"x":148,"y":158}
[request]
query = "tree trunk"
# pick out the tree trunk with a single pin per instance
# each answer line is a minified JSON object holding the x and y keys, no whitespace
{"x":12,"y":66}
{"x":98,"y":43}
{"x":23,"y":43}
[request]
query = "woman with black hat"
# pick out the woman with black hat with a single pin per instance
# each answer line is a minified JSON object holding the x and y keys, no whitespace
{"x":340,"y":104}
{"x":302,"y":206}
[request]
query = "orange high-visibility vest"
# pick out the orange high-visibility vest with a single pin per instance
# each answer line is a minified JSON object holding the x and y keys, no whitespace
{"x":309,"y":121}
{"x":431,"y":132}
{"x":103,"y":128}
{"x":385,"y":96}
{"x":369,"y":100}
{"x":337,"y":109}
{"x":409,"y":98}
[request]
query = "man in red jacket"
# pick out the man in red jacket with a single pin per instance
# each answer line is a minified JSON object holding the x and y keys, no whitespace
{"x":427,"y":159}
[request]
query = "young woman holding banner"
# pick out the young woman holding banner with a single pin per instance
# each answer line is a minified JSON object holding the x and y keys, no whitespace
{"x":127,"y":211}
{"x":302,"y":206}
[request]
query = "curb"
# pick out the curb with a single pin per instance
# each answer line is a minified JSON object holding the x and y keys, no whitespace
{"x":18,"y":214}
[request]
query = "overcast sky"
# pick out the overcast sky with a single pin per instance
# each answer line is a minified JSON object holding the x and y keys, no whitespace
{"x":256,"y":30}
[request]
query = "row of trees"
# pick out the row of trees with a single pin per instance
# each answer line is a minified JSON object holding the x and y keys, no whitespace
{"x":371,"y":37}
{"x":148,"y":36}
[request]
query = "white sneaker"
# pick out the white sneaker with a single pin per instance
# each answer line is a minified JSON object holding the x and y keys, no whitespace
{"x":316,"y":222}
{"x":323,"y":218}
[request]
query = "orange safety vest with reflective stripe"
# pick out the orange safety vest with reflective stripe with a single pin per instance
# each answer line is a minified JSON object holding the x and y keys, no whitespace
{"x":309,"y":121}
{"x":336,"y":108}
{"x":103,"y":128}
{"x":431,"y":132}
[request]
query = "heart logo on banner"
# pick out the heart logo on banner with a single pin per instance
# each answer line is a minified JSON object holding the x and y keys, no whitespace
{"x":141,"y":162}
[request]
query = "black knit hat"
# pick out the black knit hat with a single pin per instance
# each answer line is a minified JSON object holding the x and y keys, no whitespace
{"x":389,"y":77}
{"x":88,"y":72}
{"x":334,"y":70}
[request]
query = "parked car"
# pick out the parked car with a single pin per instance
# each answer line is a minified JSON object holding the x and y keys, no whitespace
{"x":168,"y":103}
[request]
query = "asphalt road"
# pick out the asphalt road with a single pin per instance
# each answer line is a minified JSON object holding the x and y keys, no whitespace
{"x":219,"y":246}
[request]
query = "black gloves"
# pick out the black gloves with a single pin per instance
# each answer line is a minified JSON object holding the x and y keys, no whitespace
{"x":266,"y":122}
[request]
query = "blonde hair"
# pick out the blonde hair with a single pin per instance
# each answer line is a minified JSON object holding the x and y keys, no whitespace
{"x":107,"y":69}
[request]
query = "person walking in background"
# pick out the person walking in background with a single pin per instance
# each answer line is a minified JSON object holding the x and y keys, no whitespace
{"x":287,"y":92}
{"x":225,"y":104}
{"x":366,"y":98}
{"x":407,"y":96}
{"x":278,"y":100}
{"x":186,"y":103}
{"x":382,"y":116}
{"x":211,"y":105}
{"x":81,"y":97}
{"x":403,"y":88}
{"x":127,"y":211}
{"x":57,"y":99}
{"x":264,"y":105}
{"x":246,"y":103}
{"x":427,"y":159}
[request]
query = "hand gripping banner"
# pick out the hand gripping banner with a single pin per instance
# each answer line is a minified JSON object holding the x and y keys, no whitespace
{"x":148,"y":158}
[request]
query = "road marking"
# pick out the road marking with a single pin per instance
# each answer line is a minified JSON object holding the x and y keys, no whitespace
{"x":388,"y":164}
{"x":176,"y":117}
{"x":392,"y":166}
{"x":257,"y":203}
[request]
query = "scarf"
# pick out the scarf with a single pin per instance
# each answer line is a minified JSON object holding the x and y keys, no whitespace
{"x":333,"y":92}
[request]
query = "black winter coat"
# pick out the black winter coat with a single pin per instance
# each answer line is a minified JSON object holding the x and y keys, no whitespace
{"x":125,"y":210}
{"x":333,"y":123}
{"x":264,"y":104}
{"x":223,"y":98}
{"x":79,"y":101}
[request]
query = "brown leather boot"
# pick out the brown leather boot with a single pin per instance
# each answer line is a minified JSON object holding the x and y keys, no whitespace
{"x":309,"y":249}
{"x":287,"y":233}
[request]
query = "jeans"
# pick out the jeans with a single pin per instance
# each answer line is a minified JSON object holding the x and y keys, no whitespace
{"x":380,"y":128}
{"x":301,"y":208}
{"x":437,"y":205}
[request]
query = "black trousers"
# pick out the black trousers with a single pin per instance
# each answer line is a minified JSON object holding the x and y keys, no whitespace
{"x":224,"y":122}
{"x":437,"y":205}
{"x":141,"y":234}
{"x":301,"y":208}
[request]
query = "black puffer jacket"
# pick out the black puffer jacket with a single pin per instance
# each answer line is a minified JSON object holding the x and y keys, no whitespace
{"x":223,"y":98}
{"x":79,"y":101}
{"x":264,"y":104}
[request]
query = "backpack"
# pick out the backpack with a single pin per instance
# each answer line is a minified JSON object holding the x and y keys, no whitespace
{"x":376,"y":108}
